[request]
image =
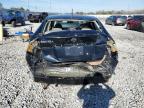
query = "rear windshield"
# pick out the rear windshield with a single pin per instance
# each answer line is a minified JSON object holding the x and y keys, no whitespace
{"x":59,"y":25}
{"x":123,"y":17}
{"x":115,"y":17}
{"x":19,"y":14}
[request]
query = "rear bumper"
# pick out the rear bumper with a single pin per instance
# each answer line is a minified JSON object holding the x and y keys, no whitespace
{"x":70,"y":80}
{"x":63,"y":71}
{"x":34,"y":19}
{"x":74,"y":70}
{"x":120,"y":23}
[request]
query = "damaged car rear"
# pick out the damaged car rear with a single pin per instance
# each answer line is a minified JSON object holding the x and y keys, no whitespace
{"x":71,"y":47}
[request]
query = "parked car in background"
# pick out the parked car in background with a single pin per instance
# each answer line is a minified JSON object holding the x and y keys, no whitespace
{"x":43,"y":15}
{"x":136,"y":22}
{"x":121,"y":20}
{"x":13,"y":17}
{"x":116,"y":20}
{"x":129,"y":17}
{"x":39,"y":17}
{"x":34,"y":18}
{"x":112,"y":20}
{"x":72,"y":47}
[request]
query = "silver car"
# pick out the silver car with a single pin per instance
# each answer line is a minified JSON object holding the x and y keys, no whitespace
{"x":121,"y":20}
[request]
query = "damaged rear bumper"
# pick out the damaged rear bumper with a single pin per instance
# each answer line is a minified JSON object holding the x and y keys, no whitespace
{"x":74,"y":70}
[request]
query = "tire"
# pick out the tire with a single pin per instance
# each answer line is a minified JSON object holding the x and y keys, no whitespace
{"x":13,"y":23}
{"x":3,"y":23}
{"x":128,"y":27}
{"x":36,"y":79}
{"x":31,"y":64}
{"x":123,"y":24}
{"x":23,"y":23}
{"x":140,"y":28}
{"x":31,"y":21}
{"x":39,"y":21}
{"x":113,"y":24}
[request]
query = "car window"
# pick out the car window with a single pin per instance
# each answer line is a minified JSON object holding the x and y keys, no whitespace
{"x":123,"y":17}
{"x":19,"y":13}
{"x":111,"y":17}
{"x":60,"y":25}
{"x":11,"y":13}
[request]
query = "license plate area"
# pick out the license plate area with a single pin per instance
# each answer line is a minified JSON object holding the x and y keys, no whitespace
{"x":74,"y":51}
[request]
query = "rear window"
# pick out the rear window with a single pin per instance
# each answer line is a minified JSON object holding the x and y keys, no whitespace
{"x":19,"y":14}
{"x":59,"y":25}
{"x":115,"y":17}
{"x":123,"y":17}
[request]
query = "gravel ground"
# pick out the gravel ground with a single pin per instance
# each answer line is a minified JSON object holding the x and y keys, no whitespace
{"x":124,"y":90}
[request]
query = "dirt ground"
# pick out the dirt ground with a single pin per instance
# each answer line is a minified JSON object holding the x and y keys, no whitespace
{"x":124,"y":90}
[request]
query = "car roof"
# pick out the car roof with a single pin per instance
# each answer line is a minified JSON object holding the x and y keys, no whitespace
{"x":73,"y":17}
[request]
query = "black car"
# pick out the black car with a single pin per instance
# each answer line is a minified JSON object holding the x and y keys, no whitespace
{"x":71,"y":47}
{"x":39,"y":17}
{"x":13,"y":17}
{"x":43,"y":15}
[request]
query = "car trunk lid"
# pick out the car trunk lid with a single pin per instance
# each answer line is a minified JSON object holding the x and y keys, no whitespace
{"x":73,"y":46}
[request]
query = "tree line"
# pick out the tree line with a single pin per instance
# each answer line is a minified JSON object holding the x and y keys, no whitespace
{"x":105,"y":12}
{"x":15,"y":8}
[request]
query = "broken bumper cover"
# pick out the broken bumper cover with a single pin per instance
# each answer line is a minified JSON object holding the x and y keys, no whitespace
{"x":73,"y":70}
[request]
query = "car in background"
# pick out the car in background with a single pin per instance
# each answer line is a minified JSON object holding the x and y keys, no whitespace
{"x":116,"y":20}
{"x":43,"y":15}
{"x":121,"y":20}
{"x":13,"y":17}
{"x":34,"y":18}
{"x":136,"y":22}
{"x":71,"y":47}
{"x":37,"y":18}
{"x":111,"y":20}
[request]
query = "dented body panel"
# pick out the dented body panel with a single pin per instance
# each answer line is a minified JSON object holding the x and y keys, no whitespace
{"x":72,"y":53}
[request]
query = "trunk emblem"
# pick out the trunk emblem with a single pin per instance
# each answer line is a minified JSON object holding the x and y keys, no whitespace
{"x":73,"y":40}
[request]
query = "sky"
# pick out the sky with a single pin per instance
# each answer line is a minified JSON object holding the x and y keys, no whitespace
{"x":64,"y":6}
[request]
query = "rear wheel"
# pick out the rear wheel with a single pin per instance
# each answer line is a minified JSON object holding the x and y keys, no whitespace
{"x":13,"y":23}
{"x":23,"y":23}
{"x":113,"y":24}
{"x":123,"y":24}
{"x":3,"y":23}
{"x":31,"y":21}
{"x":128,"y":27}
{"x":140,"y":28}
